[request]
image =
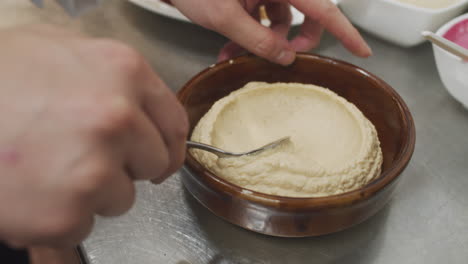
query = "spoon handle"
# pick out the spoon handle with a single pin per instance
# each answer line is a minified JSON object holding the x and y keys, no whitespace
{"x":216,"y":151}
{"x":446,"y":45}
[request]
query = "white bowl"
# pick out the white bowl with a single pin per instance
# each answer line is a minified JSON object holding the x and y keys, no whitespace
{"x":170,"y":11}
{"x":397,"y":22}
{"x":452,"y":69}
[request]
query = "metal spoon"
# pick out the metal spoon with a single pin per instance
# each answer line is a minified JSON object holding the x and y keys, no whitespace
{"x":226,"y":154}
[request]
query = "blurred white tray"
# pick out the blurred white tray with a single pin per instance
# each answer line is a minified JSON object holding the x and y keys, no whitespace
{"x":164,"y":9}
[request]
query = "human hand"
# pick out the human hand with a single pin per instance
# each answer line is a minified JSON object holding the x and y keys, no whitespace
{"x":238,"y":20}
{"x":81,"y":120}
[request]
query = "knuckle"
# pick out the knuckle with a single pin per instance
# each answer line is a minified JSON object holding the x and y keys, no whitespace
{"x":153,"y":168}
{"x":267,"y":46}
{"x":113,"y":116}
{"x":123,"y":58}
{"x":164,"y":161}
{"x":181,"y":137}
{"x":182,"y":128}
{"x":127,"y":59}
{"x":329,"y":11}
{"x":161,"y":164}
{"x":178,"y":161}
{"x":221,"y":18}
{"x":178,"y":150}
{"x":94,"y":177}
{"x":128,"y":199}
{"x":217,"y":20}
{"x":120,"y":202}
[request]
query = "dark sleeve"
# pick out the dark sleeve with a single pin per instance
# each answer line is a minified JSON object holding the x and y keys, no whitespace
{"x":13,"y":256}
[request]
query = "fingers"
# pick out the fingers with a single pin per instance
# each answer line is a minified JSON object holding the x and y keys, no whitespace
{"x":51,"y":255}
{"x":148,"y":156}
{"x":158,"y":124}
{"x":330,"y":17}
{"x":230,"y":50}
{"x":57,"y":233}
{"x":309,"y":36}
{"x":117,"y":196}
{"x":170,"y":119}
{"x":280,"y":19}
{"x":249,"y":33}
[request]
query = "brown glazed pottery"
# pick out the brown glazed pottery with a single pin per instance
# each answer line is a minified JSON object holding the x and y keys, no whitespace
{"x":301,"y":217}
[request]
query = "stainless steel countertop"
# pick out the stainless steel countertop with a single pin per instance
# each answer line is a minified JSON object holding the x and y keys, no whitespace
{"x":426,"y":221}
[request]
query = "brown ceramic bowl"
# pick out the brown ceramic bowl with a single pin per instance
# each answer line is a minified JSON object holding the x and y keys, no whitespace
{"x":300,"y":217}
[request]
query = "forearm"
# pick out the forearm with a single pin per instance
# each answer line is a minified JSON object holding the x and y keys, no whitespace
{"x":73,"y":7}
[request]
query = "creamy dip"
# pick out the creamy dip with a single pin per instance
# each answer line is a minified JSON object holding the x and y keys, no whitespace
{"x":333,"y":147}
{"x":433,"y":4}
{"x":459,"y":33}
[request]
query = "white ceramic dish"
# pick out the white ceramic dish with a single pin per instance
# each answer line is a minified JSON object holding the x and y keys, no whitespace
{"x":161,"y":8}
{"x":452,"y":70}
{"x":397,"y":22}
{"x":164,"y":9}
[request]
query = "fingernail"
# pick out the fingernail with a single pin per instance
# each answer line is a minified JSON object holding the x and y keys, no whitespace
{"x":286,"y":57}
{"x":158,"y":180}
{"x":367,"y":51}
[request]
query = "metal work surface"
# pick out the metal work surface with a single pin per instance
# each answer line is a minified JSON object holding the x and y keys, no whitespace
{"x":425,"y":222}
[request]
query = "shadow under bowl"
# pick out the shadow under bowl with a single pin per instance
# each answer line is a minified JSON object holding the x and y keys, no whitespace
{"x":300,"y":217}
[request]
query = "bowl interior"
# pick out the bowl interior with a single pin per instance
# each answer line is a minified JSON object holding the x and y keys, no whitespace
{"x":378,"y":101}
{"x":443,"y":29}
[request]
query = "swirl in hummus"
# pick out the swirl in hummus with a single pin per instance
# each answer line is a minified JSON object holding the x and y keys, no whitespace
{"x":334,"y":148}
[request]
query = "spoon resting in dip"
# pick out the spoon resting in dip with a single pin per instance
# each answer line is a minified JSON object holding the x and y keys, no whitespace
{"x":333,"y":147}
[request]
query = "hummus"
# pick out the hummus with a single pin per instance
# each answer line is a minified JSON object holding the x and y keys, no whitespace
{"x":333,"y":147}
